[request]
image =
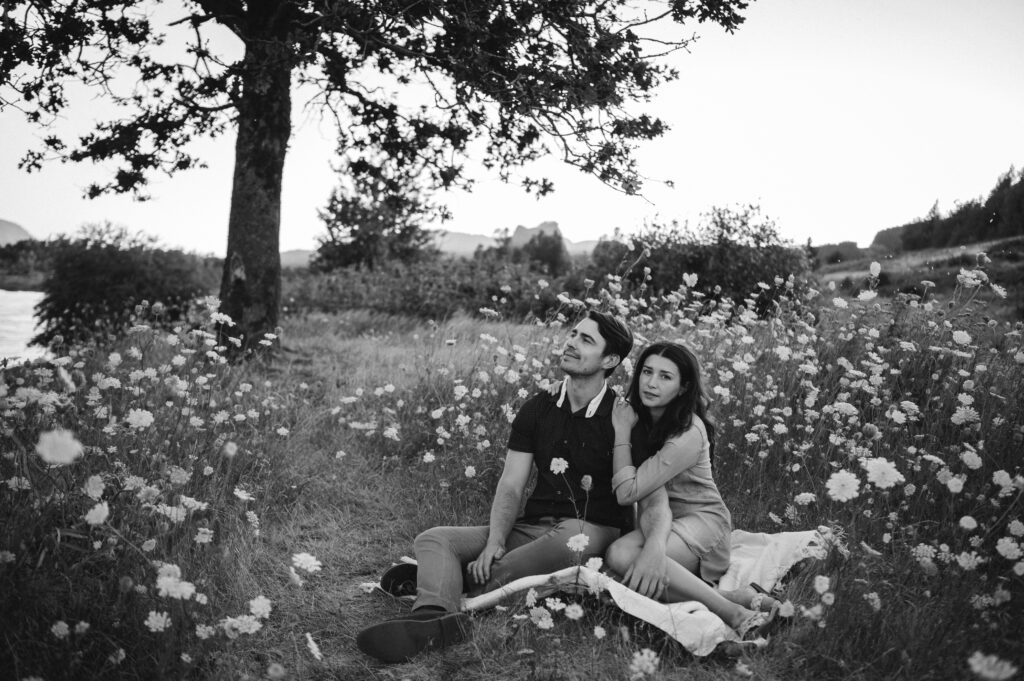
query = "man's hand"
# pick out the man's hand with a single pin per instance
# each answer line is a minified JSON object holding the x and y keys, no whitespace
{"x":647,"y":573}
{"x":480,"y":569}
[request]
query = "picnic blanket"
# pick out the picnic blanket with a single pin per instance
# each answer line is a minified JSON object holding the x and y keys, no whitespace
{"x":755,"y":557}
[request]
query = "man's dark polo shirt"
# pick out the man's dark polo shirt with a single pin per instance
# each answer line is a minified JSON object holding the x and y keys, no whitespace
{"x":548,"y":431}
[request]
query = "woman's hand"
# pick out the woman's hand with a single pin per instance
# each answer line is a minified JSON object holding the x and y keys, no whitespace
{"x":647,"y":574}
{"x":624,"y":417}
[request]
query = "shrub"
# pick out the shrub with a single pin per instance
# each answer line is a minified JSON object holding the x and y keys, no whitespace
{"x":97,"y":279}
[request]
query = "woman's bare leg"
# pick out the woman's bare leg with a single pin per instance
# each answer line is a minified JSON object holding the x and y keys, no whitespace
{"x":683,"y":583}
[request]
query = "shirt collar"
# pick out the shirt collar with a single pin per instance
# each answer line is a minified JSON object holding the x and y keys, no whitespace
{"x":594,"y":403}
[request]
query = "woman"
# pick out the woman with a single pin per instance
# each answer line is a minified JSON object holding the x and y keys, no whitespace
{"x":667,"y":407}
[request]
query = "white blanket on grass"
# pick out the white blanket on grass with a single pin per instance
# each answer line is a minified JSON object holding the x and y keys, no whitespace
{"x":755,"y":557}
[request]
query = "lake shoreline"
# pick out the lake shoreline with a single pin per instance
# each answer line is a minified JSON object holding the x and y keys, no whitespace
{"x":17,"y":312}
{"x":22,"y":282}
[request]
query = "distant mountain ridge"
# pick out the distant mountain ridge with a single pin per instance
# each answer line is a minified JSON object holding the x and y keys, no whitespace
{"x":464,"y":245}
{"x":12,"y":233}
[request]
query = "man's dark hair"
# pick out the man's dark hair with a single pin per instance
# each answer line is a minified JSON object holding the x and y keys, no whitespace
{"x":618,"y":339}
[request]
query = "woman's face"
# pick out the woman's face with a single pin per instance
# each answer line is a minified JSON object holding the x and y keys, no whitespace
{"x":660,"y":382}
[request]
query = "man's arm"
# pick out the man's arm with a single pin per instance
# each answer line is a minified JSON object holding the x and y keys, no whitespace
{"x":504,"y":510}
{"x":646,"y":574}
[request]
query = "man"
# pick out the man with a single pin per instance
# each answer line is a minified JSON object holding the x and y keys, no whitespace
{"x":573,"y":427}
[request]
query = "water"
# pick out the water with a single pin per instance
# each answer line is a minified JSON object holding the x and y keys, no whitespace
{"x":17,"y":325}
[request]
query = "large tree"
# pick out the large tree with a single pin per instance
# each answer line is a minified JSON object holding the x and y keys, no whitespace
{"x":527,"y":77}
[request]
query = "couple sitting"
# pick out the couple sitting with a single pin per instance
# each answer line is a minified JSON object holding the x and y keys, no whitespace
{"x":652,"y":447}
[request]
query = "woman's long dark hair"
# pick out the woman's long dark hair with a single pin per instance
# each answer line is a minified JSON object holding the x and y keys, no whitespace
{"x":679,"y":412}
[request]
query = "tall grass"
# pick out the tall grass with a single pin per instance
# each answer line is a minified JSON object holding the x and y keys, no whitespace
{"x":897,"y":423}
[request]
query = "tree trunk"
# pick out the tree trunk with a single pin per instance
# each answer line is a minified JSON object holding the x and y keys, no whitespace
{"x":250,"y":291}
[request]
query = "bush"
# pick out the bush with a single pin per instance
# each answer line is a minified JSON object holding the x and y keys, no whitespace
{"x":97,"y":279}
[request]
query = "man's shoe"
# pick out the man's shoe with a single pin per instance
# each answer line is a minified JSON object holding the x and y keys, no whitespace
{"x":399,"y":580}
{"x":401,"y":638}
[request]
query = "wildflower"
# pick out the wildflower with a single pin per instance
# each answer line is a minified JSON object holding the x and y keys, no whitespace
{"x":541,"y":617}
{"x":170,"y":585}
{"x":1016,"y":528}
{"x":574,"y":611}
{"x":805,"y":498}
{"x":428,"y":457}
{"x":157,"y":621}
{"x":58,"y":447}
{"x":98,"y":514}
{"x":875,"y":269}
{"x":586,"y":483}
{"x":595,"y":563}
{"x":470,"y":471}
{"x":787,"y":609}
{"x":1008,"y":548}
{"x":554,"y":604}
{"x":843,"y":486}
{"x":260,"y":607}
{"x":867,"y":295}
{"x":243,"y":495}
{"x":964,"y":415}
{"x":276,"y":671}
{"x":307,"y":562}
{"x":230,"y":449}
{"x":644,"y":662}
{"x":961,"y":337}
{"x":559,"y":465}
{"x":18,"y":483}
{"x":882,"y":473}
{"x":839,"y":303}
{"x":599,"y":632}
{"x":990,"y":667}
{"x":282,"y":431}
{"x":531,"y":598}
{"x":578,"y":543}
{"x":60,"y":629}
{"x":243,"y":624}
{"x":971,"y":459}
{"x":139,"y":418}
{"x":204,"y":535}
{"x":204,"y":631}
{"x":178,"y":475}
{"x":822,"y":584}
{"x":149,"y":545}
{"x":969,"y":561}
{"x":968,"y":523}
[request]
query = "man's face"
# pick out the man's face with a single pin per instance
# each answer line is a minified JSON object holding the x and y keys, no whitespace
{"x":582,"y":353}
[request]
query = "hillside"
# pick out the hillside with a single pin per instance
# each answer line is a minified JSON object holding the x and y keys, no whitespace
{"x":11,"y":233}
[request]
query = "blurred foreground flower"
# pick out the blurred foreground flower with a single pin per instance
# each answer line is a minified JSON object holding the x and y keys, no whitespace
{"x":58,"y":447}
{"x":990,"y":667}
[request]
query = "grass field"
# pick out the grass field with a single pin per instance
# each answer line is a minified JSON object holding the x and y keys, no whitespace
{"x":217,"y":522}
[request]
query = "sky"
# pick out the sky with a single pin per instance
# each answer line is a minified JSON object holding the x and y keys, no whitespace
{"x":839,"y":118}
